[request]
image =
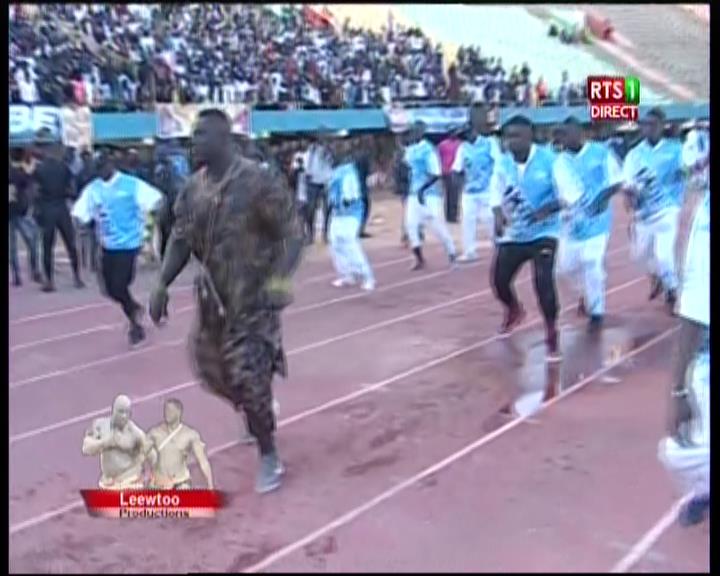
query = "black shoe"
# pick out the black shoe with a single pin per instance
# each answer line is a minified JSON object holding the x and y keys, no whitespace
{"x":365,"y":235}
{"x":656,"y":288}
{"x":136,"y":335}
{"x":596,"y":322}
{"x":37,"y":277}
{"x":48,"y":286}
{"x":670,"y":301}
{"x":694,"y":512}
{"x":79,"y":283}
{"x":452,"y":258}
{"x":269,"y":476}
{"x":16,"y":281}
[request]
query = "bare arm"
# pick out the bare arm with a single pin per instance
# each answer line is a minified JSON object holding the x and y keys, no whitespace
{"x":198,"y":448}
{"x":93,"y":442}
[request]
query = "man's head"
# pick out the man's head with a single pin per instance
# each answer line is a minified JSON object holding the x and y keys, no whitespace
{"x":518,"y":136}
{"x":653,"y":125}
{"x":417,"y":131}
{"x":479,"y":120}
{"x":106,"y":164}
{"x":212,"y":137}
{"x":173,"y":411}
{"x":572,"y":137}
{"x":120,"y":411}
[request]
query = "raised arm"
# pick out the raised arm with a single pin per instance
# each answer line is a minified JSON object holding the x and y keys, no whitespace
{"x":93,"y":442}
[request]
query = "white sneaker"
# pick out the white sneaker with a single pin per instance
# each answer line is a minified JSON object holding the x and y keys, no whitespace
{"x":368,"y":285}
{"x":276,"y":407}
{"x":342,"y":282}
{"x":468,"y":258}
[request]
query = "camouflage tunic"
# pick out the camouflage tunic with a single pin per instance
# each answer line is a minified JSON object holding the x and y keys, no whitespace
{"x":236,"y":341}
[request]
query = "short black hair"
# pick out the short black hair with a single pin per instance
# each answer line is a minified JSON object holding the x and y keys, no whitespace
{"x":215,"y":114}
{"x":656,"y":112}
{"x":518,"y":120}
{"x":572,"y":121}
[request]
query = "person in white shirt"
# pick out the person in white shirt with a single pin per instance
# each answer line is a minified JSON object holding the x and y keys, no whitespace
{"x":318,"y":169}
{"x":685,"y":452}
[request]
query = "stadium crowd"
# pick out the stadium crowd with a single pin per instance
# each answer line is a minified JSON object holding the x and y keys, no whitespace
{"x":129,"y":57}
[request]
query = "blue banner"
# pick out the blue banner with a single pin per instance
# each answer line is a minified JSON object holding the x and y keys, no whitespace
{"x":436,"y":120}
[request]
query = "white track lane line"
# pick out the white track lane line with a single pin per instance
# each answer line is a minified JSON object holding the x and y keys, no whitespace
{"x":351,"y":515}
{"x":649,"y":539}
{"x":300,"y":350}
{"x":117,"y":325}
{"x":49,"y":515}
{"x":180,"y":288}
{"x":290,"y":312}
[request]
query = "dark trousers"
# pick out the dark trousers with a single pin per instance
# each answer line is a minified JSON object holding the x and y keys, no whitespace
{"x":25,"y":226}
{"x":237,"y":362}
{"x":56,"y":217}
{"x":165,"y":231}
{"x":366,"y":212}
{"x":118,"y":273}
{"x":452,"y":197}
{"x":316,"y":195}
{"x":509,"y":259}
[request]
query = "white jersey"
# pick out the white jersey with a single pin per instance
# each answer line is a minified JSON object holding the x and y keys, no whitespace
{"x":695,"y":294}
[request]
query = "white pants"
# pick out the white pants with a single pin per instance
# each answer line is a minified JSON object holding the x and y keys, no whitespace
{"x":690,"y":466}
{"x":654,"y":246}
{"x":583,"y":263}
{"x":347,"y":253}
{"x":433,"y":213}
{"x":475,"y":207}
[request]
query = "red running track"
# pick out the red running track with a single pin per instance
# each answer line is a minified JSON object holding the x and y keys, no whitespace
{"x":414,"y":438}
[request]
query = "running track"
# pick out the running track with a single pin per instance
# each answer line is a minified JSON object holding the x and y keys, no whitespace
{"x":414,"y":438}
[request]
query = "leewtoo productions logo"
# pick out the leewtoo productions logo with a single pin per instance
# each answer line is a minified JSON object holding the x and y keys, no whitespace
{"x":146,"y":474}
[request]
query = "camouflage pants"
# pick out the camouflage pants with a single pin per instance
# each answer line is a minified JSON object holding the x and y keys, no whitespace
{"x":236,"y":360}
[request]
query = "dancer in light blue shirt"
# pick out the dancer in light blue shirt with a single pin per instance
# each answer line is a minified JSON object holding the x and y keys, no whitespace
{"x":475,"y":161}
{"x":654,"y":180}
{"x":582,"y":250}
{"x":119,"y":204}
{"x":347,"y":209}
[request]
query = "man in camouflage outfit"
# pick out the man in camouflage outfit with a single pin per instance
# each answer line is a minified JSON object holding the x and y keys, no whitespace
{"x":238,"y":219}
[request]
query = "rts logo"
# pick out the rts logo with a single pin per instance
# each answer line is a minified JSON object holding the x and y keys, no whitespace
{"x":613,"y":97}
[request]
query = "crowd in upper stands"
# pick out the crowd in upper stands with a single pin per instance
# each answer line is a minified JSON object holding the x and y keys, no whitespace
{"x":128,"y":57}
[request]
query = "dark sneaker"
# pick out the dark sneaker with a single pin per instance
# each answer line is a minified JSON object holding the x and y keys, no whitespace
{"x":269,"y":476}
{"x":452,"y":258}
{"x":513,"y":319}
{"x":79,"y":283}
{"x":596,"y":322}
{"x":37,"y":278}
{"x":136,"y":335}
{"x":694,"y":512}
{"x":670,"y":301}
{"x":48,"y":287}
{"x":553,"y":348}
{"x":656,"y":288}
